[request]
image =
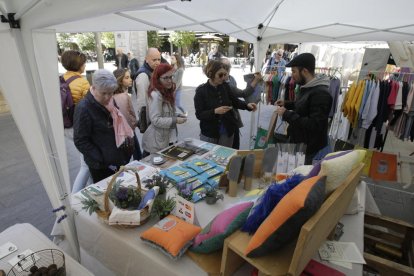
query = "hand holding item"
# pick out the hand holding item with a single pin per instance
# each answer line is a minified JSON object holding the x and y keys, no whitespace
{"x":280,"y":110}
{"x":252,"y":106}
{"x":222,"y":109}
{"x":280,"y":103}
{"x":181,"y":120}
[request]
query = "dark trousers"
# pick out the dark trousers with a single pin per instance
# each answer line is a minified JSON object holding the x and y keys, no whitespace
{"x":137,"y":149}
{"x":99,"y":174}
{"x":236,"y":140}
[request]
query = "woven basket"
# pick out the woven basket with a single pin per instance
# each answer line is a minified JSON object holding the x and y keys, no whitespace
{"x":104,"y":214}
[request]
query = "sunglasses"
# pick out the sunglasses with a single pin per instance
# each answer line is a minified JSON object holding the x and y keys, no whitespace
{"x":166,"y":78}
{"x":221,"y":75}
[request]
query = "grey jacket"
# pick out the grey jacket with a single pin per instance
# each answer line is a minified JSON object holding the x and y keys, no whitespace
{"x":163,"y":127}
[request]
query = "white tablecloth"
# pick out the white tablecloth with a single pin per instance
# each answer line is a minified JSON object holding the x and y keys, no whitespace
{"x":25,"y":236}
{"x":121,"y":250}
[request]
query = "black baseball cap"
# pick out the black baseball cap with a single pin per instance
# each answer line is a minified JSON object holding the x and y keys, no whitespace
{"x":305,"y":60}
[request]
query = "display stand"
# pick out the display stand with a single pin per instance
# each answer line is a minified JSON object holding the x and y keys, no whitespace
{"x":292,"y":259}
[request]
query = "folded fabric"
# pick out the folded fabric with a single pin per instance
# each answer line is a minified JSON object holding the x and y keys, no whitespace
{"x":148,"y":197}
{"x":124,"y":217}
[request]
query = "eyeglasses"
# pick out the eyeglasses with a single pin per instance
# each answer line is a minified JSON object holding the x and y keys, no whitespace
{"x":221,"y":75}
{"x":167,"y":78}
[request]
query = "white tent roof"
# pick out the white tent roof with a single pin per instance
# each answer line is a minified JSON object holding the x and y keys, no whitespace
{"x":29,"y":75}
{"x":285,"y":21}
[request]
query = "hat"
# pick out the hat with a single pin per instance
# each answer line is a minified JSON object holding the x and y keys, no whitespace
{"x":305,"y":60}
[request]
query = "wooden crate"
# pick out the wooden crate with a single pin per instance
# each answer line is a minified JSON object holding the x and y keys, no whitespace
{"x":293,"y":258}
{"x":388,"y":245}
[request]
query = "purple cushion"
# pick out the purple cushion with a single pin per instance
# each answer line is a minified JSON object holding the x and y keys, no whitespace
{"x":317,"y":167}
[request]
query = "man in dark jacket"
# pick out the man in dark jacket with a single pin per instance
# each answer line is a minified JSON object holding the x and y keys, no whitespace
{"x":308,"y":116}
{"x":93,"y":129}
{"x":121,"y":60}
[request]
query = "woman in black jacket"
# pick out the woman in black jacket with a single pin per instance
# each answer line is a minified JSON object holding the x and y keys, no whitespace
{"x":214,"y":104}
{"x":94,"y":132}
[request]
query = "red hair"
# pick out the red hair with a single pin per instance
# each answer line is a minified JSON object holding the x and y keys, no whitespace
{"x":155,"y":84}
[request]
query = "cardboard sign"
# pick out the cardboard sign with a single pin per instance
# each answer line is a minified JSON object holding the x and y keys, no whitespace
{"x":184,"y":209}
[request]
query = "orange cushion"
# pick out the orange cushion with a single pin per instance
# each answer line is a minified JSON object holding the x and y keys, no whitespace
{"x":285,"y":221}
{"x":171,"y":235}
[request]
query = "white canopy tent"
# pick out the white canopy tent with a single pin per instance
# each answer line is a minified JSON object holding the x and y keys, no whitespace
{"x":29,"y":75}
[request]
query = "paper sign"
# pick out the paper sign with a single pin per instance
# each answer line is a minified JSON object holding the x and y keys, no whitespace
{"x":184,"y":209}
{"x":341,"y":251}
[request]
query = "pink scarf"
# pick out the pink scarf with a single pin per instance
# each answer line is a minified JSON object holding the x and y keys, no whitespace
{"x":121,"y":126}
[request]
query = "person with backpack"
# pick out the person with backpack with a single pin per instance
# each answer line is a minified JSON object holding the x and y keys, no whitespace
{"x":74,"y":88}
{"x":142,"y":83}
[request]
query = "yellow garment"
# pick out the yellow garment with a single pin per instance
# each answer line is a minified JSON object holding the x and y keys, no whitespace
{"x":356,"y":106}
{"x":78,"y":87}
{"x":346,"y":106}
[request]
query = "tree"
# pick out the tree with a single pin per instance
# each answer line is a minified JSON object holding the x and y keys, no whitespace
{"x":182,"y":39}
{"x":86,"y":41}
{"x":65,"y":41}
{"x":154,"y":40}
{"x":108,"y":39}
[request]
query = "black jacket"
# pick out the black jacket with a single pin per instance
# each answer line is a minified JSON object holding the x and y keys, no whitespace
{"x":208,"y":98}
{"x":124,"y":61}
{"x":133,"y":67}
{"x":94,"y":136}
{"x":308,"y":116}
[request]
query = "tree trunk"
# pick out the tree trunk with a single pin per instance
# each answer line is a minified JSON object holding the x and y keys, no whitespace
{"x":99,"y":55}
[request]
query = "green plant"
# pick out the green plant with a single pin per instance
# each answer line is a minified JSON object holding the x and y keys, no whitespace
{"x":125,"y":197}
{"x":158,"y":180}
{"x":90,"y":205}
{"x":211,"y":192}
{"x":162,"y":207}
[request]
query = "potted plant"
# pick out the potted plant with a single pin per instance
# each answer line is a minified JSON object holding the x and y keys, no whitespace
{"x":158,"y":180}
{"x":212,"y":195}
{"x":163,"y":207}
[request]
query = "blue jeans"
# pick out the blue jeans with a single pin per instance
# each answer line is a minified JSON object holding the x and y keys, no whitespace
{"x":83,"y":178}
{"x":178,"y":101}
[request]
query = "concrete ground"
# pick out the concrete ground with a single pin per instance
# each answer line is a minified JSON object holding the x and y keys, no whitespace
{"x":22,"y":196}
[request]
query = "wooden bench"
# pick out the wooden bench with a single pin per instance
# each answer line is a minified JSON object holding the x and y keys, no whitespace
{"x":293,"y":258}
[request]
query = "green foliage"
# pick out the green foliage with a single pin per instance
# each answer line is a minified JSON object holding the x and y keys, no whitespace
{"x":182,"y":38}
{"x":154,"y":40}
{"x":90,"y":205}
{"x":108,"y":39}
{"x":86,"y":41}
{"x":125,"y":197}
{"x":158,"y":180}
{"x":211,"y":192}
{"x":65,"y":41}
{"x":162,"y":207}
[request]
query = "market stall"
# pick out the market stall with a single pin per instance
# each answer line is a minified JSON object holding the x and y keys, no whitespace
{"x":118,"y":250}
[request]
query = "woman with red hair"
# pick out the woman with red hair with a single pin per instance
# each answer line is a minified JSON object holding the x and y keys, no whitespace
{"x":161,"y":104}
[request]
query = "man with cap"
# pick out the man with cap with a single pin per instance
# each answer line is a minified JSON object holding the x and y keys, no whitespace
{"x":308,"y":115}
